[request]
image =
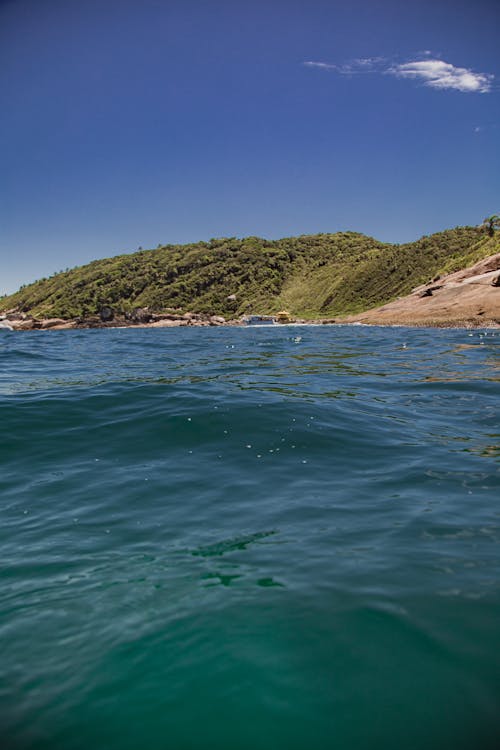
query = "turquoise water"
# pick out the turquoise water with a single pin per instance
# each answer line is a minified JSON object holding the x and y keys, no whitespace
{"x":273,"y":538}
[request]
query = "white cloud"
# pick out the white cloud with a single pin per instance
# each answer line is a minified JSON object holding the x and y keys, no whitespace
{"x":436,"y":74}
{"x":442,"y":75}
{"x":325,"y":66}
{"x":352,"y":67}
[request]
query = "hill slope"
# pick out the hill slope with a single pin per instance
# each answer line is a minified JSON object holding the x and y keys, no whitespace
{"x":311,"y":276}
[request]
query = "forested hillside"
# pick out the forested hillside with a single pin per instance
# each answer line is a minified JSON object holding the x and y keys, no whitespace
{"x":310,"y":276}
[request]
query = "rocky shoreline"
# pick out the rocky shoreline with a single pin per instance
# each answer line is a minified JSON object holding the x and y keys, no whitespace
{"x":18,"y":321}
{"x":58,"y":324}
{"x":469,"y":298}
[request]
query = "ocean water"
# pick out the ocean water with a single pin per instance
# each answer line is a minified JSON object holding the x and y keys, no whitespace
{"x":276,"y":538}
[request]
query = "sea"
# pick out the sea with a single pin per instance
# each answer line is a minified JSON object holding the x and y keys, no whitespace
{"x":260,"y":538}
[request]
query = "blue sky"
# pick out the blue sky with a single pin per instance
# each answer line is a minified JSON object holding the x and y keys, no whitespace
{"x":128,"y":124}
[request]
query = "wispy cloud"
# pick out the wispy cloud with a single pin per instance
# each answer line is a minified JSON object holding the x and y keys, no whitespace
{"x":325,"y":66}
{"x":434,"y":73}
{"x":353,"y":67}
{"x":442,"y":75}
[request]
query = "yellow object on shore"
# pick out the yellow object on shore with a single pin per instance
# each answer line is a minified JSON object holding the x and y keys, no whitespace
{"x":283,"y":317}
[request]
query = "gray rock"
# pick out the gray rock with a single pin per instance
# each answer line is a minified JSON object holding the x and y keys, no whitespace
{"x":106,"y":314}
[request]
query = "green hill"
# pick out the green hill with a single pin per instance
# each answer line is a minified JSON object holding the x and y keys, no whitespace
{"x":311,"y":276}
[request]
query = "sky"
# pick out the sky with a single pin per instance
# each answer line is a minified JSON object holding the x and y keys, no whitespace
{"x":133,"y":123}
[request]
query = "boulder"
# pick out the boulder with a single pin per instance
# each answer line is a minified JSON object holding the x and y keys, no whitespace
{"x":140,"y":315}
{"x":192,"y":316}
{"x":23,"y":325}
{"x":168,"y":323}
{"x":15,"y":315}
{"x":106,"y":314}
{"x":428,"y":292}
{"x":52,"y":322}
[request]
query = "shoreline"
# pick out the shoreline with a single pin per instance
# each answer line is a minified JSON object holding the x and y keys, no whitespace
{"x":374,"y":321}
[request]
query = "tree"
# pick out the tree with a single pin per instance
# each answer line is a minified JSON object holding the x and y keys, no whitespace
{"x":490,"y":224}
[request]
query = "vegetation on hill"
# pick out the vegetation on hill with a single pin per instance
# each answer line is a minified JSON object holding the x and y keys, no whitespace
{"x":311,"y":276}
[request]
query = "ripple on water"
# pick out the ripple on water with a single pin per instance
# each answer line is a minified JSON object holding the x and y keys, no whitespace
{"x":247,"y":538}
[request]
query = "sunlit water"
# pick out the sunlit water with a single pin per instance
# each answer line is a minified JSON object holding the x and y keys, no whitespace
{"x":277,"y":538}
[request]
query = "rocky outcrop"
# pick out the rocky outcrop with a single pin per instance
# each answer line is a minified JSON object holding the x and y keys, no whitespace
{"x":469,"y":297}
{"x":140,"y":315}
{"x":140,"y":318}
{"x":55,"y":323}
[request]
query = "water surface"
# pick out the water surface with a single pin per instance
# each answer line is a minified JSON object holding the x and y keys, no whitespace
{"x":277,"y":538}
